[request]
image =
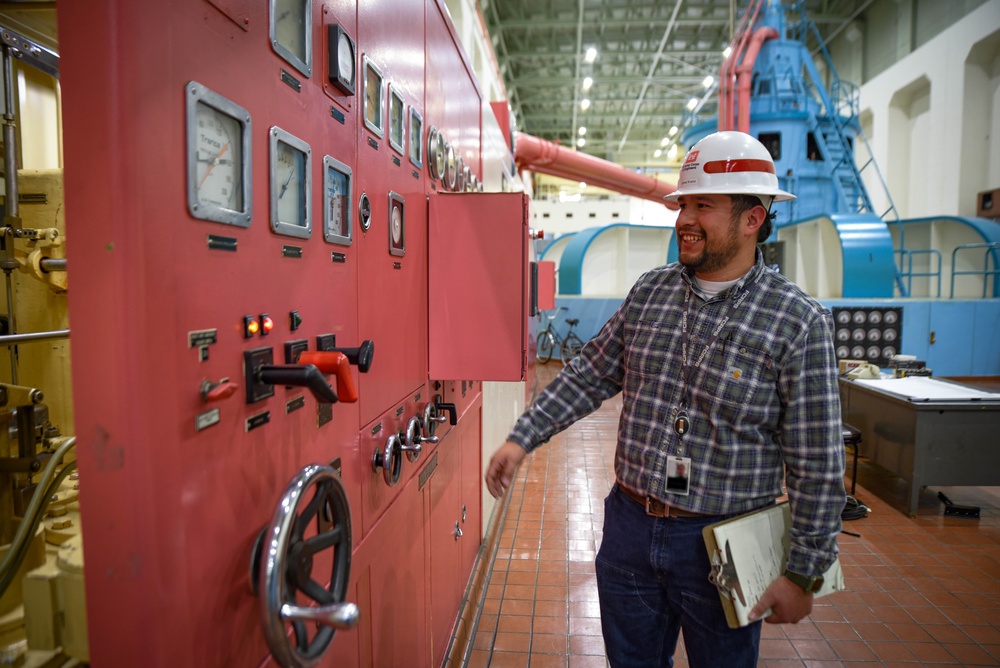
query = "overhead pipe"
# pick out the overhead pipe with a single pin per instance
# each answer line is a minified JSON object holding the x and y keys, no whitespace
{"x":744,"y":75}
{"x":727,"y":72}
{"x":545,"y":157}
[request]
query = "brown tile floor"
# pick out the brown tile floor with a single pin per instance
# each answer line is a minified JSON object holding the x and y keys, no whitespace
{"x":921,"y":592}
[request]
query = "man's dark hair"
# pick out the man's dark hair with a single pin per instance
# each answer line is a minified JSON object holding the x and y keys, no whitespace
{"x":742,"y":203}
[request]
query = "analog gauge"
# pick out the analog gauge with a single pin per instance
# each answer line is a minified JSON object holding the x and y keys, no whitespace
{"x":467,"y":178}
{"x":875,"y":317}
{"x":397,"y":224}
{"x":890,"y":317}
{"x":342,"y":71}
{"x":291,"y":32}
{"x":459,"y":175}
{"x":435,"y":153}
{"x":337,"y":208}
{"x":449,"y":167}
{"x":843,"y":335}
{"x":860,"y":317}
{"x":364,"y":212}
{"x":416,"y":138}
{"x":397,"y":116}
{"x":374,"y":114}
{"x":218,"y":158}
{"x":843,"y":317}
{"x":843,"y":352}
{"x":291,"y":185}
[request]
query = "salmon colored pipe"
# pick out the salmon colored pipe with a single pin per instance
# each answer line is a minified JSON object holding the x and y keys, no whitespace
{"x":744,"y":75}
{"x":545,"y":157}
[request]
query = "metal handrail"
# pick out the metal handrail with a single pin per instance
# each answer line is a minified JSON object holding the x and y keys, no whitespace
{"x":993,"y":246}
{"x":906,"y":256}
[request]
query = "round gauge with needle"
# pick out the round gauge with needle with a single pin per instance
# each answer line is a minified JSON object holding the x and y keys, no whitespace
{"x":291,"y":185}
{"x":337,"y":227}
{"x":218,"y":157}
{"x":374,"y":95}
{"x":450,"y":164}
{"x":397,"y":224}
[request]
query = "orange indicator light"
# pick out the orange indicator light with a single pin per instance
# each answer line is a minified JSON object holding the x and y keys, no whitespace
{"x":253,"y":327}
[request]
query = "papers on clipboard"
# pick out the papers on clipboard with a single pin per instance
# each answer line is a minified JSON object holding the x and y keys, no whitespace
{"x":748,"y":553}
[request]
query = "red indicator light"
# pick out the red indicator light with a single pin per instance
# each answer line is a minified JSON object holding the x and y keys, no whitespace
{"x":266,"y":324}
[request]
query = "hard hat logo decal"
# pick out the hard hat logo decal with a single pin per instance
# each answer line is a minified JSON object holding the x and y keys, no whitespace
{"x":691,"y":157}
{"x":740,"y":165}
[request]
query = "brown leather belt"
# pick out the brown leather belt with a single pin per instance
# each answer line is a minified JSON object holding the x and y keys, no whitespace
{"x":655,"y":507}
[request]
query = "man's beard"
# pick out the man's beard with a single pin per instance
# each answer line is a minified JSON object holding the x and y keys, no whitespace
{"x":715,"y":255}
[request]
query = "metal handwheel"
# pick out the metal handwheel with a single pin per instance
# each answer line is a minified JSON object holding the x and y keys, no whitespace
{"x":282,"y":565}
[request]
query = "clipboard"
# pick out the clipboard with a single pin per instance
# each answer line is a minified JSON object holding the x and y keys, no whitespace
{"x":748,"y":553}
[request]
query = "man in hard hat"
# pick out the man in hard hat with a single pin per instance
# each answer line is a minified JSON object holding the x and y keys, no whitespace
{"x":729,"y":382}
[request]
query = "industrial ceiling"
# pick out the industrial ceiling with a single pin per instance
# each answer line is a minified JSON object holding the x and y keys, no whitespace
{"x":652,"y":58}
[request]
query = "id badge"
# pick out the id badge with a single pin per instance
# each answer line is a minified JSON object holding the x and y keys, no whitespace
{"x":679,"y":475}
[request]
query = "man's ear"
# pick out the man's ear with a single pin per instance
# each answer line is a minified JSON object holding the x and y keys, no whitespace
{"x":755,"y":217}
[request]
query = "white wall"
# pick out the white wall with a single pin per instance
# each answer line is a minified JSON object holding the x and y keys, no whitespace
{"x":559,"y":217}
{"x":935,"y":118}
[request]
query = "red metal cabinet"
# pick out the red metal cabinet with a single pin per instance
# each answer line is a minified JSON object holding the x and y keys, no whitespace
{"x":479,"y":285}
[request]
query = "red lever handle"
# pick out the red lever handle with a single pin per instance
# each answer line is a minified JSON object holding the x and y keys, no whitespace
{"x":217,"y":391}
{"x":329,"y":362}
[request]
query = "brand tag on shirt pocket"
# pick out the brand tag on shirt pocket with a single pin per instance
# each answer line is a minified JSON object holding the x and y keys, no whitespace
{"x":736,"y":373}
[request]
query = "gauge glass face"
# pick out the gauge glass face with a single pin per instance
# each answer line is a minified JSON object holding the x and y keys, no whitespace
{"x":449,"y":167}
{"x":345,"y":59}
{"x":220,"y":160}
{"x":397,"y":224}
{"x":290,"y":185}
{"x":290,"y":171}
{"x":374,"y":118}
{"x":416,"y":138}
{"x":218,"y":157}
{"x":396,"y":115}
{"x":337,"y":186}
{"x":291,"y":32}
{"x":365,"y":212}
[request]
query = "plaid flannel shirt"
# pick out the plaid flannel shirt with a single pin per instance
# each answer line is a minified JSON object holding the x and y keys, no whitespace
{"x":763,"y":404}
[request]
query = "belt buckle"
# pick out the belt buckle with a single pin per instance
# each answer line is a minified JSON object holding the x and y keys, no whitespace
{"x":656,"y":508}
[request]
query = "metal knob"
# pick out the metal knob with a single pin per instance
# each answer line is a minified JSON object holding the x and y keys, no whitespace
{"x":389,"y":459}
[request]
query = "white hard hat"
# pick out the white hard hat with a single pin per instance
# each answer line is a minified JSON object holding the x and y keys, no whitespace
{"x":728,"y":163}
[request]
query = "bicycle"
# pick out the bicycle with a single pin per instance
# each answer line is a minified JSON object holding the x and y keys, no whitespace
{"x":548,"y":339}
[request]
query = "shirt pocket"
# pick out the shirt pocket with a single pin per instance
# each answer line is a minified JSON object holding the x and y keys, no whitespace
{"x":736,"y":374}
{"x":648,"y":351}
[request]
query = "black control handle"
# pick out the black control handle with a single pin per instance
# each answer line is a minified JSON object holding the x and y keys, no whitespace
{"x":301,"y":375}
{"x":360,"y":356}
{"x":452,"y":412}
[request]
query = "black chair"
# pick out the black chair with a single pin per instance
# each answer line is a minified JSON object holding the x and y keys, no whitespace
{"x":852,"y":439}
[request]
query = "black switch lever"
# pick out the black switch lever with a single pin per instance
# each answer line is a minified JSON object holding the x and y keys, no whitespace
{"x":301,"y":375}
{"x":452,"y":412}
{"x":360,"y":356}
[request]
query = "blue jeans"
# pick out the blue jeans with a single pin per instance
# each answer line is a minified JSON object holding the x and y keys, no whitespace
{"x":652,"y":578}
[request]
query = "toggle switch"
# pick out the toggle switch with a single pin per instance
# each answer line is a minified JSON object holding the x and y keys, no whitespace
{"x":294,"y":320}
{"x":335,"y":363}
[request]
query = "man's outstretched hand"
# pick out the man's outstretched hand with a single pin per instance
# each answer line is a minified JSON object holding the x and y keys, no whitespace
{"x":502,"y":466}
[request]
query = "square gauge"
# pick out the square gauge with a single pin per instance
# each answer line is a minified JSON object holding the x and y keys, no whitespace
{"x":397,"y":224}
{"x":374,"y":98}
{"x":342,"y":70}
{"x":218,"y":157}
{"x":291,"y":32}
{"x":397,"y":119}
{"x":337,"y":219}
{"x":416,"y":139}
{"x":291,"y":185}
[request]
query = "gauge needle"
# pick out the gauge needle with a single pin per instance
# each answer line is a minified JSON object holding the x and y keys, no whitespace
{"x":212,"y":163}
{"x":284,"y":186}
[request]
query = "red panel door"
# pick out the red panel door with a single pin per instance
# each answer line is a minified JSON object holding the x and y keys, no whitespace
{"x":478,"y":277}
